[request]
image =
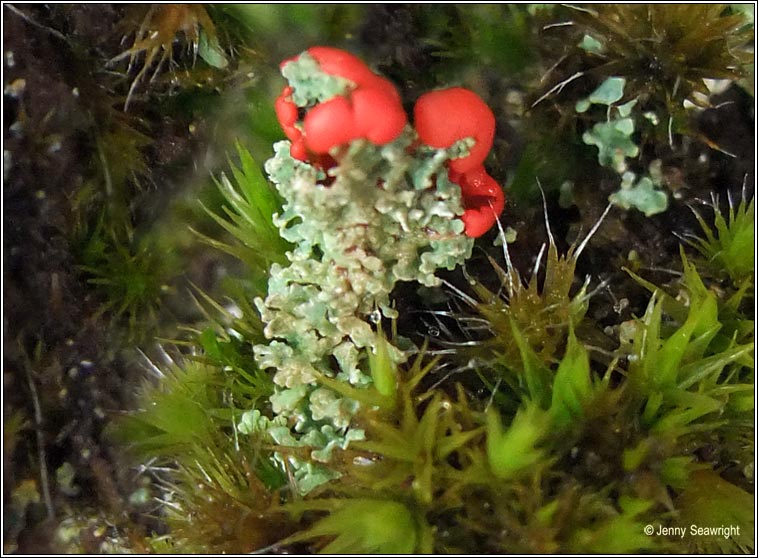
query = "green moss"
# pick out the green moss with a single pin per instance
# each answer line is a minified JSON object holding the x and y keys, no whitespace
{"x":248,"y":206}
{"x":512,"y":451}
{"x":361,"y":526}
{"x":729,"y":244}
{"x":527,"y":324}
{"x":127,"y":271}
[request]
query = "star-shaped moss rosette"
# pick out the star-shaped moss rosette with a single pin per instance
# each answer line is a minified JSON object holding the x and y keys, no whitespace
{"x":368,"y":202}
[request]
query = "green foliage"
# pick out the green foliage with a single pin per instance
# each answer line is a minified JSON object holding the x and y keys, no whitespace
{"x":528,"y":325}
{"x":383,"y":368}
{"x":248,"y":216}
{"x":129,"y":274}
{"x":514,"y":450}
{"x":619,"y":534}
{"x":421,"y":450}
{"x":415,"y":434}
{"x":221,"y":505}
{"x":361,"y":526}
{"x":221,"y":490}
{"x":573,"y":386}
{"x":226,"y":338}
{"x":189,"y":410}
{"x":234,"y":355}
{"x":583,"y":464}
{"x":177,"y":413}
{"x":686,"y":374}
{"x":463,"y":471}
{"x":686,"y":380}
{"x":731,"y":246}
{"x":695,"y":383}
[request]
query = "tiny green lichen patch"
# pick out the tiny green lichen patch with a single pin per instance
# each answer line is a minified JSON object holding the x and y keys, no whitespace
{"x":613,"y":140}
{"x":641,"y":195}
{"x":309,"y":84}
{"x":591,"y":45}
{"x":609,"y":92}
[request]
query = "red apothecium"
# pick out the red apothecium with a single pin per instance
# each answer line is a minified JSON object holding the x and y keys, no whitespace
{"x":370,"y":110}
{"x":449,"y":115}
{"x":483,"y":200}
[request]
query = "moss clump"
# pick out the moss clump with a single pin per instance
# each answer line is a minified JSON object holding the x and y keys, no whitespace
{"x":728,"y":246}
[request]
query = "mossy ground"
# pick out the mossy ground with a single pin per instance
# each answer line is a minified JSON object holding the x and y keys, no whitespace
{"x":100,"y":259}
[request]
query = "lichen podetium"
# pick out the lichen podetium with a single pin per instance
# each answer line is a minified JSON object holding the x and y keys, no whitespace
{"x":377,"y":215}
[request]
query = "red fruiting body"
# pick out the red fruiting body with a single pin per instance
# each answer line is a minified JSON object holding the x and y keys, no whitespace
{"x":483,"y":200}
{"x":449,"y":115}
{"x":286,"y":110}
{"x":328,"y":124}
{"x":336,"y":62}
{"x":379,"y":115}
{"x":446,"y":116}
{"x":371,"y":110}
{"x":286,"y":113}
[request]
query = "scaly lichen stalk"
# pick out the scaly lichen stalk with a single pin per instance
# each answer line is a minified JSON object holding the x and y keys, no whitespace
{"x":382,"y":214}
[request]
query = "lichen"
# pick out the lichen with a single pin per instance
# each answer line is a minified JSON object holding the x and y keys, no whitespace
{"x":384,"y":214}
{"x":641,"y":195}
{"x":309,"y":83}
{"x":613,"y":141}
{"x":607,"y":93}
